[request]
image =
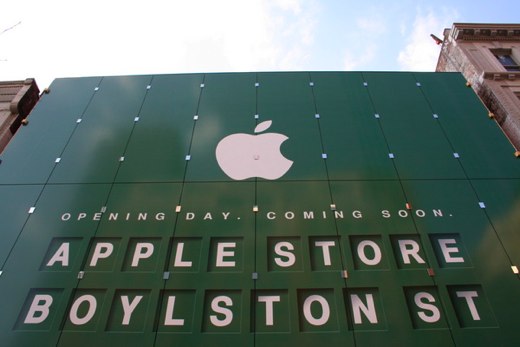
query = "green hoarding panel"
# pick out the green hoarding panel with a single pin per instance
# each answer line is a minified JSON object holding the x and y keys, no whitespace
{"x":348,"y":120}
{"x":418,"y":145}
{"x":166,"y":116}
{"x":15,"y":206}
{"x":287,"y":100}
{"x":42,"y":270}
{"x":97,"y":148}
{"x":210,"y":264}
{"x":500,"y":199}
{"x":260,"y":209}
{"x":484,"y":150}
{"x":217,"y":103}
{"x":53,"y":122}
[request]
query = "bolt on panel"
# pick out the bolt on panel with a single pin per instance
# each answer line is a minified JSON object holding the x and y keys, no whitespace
{"x":501,"y":197}
{"x":461,"y":245}
{"x":423,"y":152}
{"x":227,"y":104}
{"x":486,"y":152}
{"x":92,"y":154}
{"x":374,"y":207}
{"x":210,"y":264}
{"x":299,"y":290}
{"x":14,"y":207}
{"x":41,"y":272}
{"x":351,"y":134}
{"x":29,"y":157}
{"x":338,"y":247}
{"x":384,"y":255}
{"x":287,"y":100}
{"x":163,"y":130}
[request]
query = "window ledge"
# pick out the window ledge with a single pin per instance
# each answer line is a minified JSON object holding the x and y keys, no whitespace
{"x":502,"y":75}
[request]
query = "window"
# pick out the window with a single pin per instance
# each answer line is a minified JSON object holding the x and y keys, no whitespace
{"x":505,"y":58}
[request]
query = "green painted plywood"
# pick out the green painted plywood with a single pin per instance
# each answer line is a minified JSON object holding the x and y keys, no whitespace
{"x":299,"y":262}
{"x":418,"y":144}
{"x":124,"y":265}
{"x":468,"y":276}
{"x":163,"y":130}
{"x":41,"y":271}
{"x":484,"y":150}
{"x":500,"y":198}
{"x":370,"y":232}
{"x":351,"y":133}
{"x":210,"y":265}
{"x":51,"y":124}
{"x":94,"y":153}
{"x":287,"y":100}
{"x":14,"y":211}
{"x":220,"y":114}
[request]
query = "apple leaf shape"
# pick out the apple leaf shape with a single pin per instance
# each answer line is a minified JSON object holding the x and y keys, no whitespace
{"x":263,"y":126}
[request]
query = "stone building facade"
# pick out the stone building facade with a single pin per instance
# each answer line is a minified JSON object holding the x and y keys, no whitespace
{"x":17,"y":98}
{"x":488,"y":55}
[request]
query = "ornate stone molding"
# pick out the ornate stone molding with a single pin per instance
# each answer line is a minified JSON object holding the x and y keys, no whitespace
{"x":501,"y":75}
{"x":485,"y":32}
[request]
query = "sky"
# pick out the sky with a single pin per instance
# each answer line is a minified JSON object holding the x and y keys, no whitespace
{"x":54,"y":38}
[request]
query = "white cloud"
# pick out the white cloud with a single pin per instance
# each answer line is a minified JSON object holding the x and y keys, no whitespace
{"x":365,"y":41}
{"x":353,"y":61}
{"x":421,"y":52}
{"x":372,"y":24}
{"x":63,"y":38}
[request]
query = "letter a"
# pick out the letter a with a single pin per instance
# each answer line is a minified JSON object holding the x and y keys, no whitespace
{"x":61,"y":255}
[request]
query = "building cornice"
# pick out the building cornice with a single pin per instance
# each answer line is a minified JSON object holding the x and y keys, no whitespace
{"x":485,"y":32}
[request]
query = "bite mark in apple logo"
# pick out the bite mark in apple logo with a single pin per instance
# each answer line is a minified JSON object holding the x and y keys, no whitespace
{"x":242,"y":156}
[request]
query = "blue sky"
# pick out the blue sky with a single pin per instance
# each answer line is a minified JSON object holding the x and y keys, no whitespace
{"x":58,"y":38}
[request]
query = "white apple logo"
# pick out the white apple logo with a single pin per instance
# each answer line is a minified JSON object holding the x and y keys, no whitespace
{"x":243,"y":156}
